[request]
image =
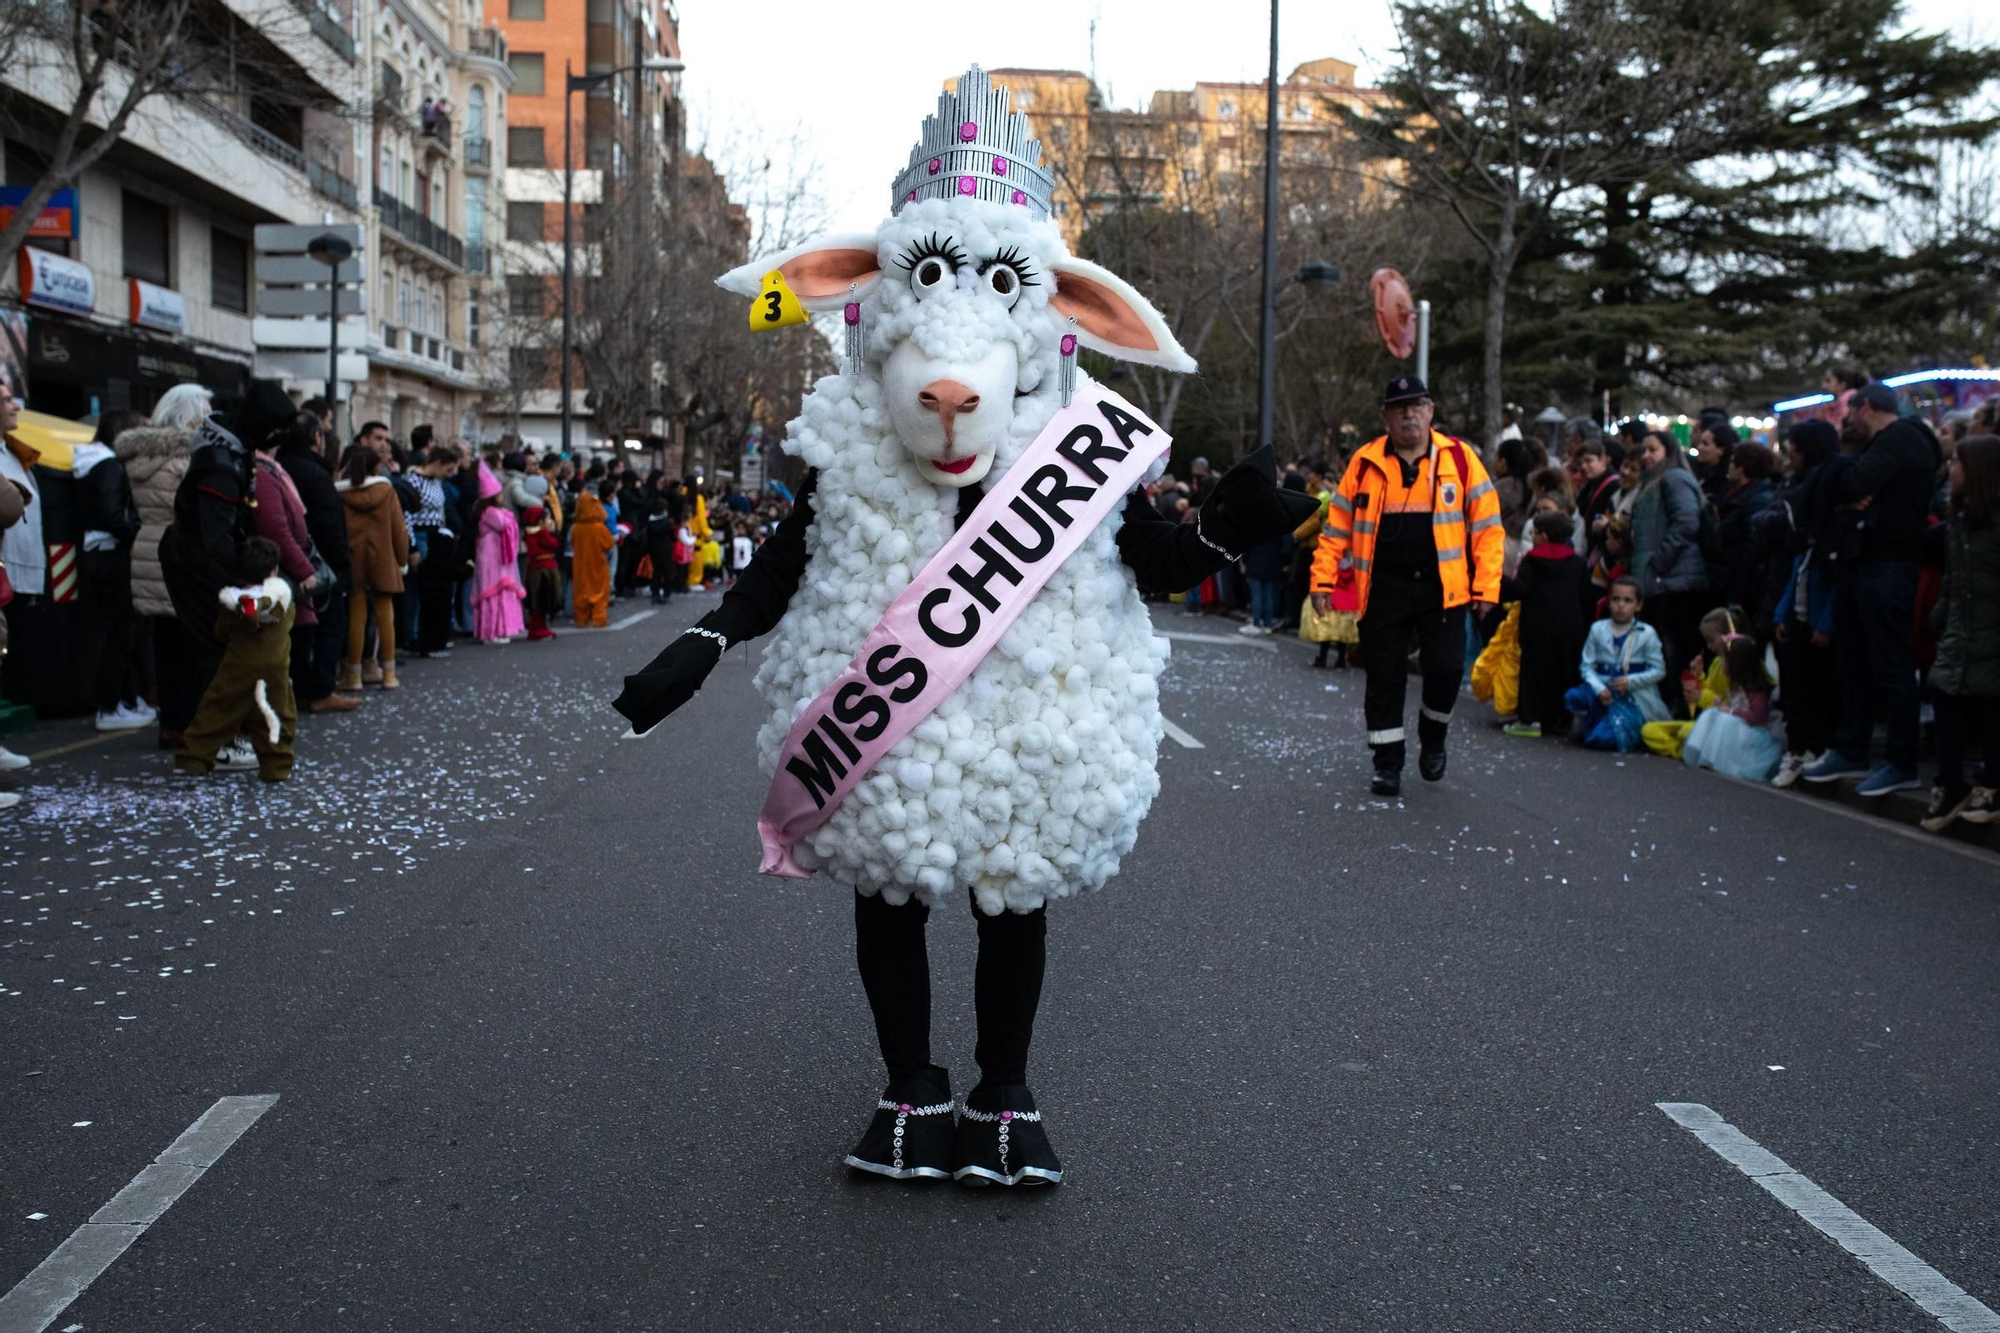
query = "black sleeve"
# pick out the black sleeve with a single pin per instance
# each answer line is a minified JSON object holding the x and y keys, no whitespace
{"x":757,"y":600}
{"x":1166,"y":557}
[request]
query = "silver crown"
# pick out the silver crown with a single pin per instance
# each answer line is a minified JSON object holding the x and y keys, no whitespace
{"x":976,"y":148}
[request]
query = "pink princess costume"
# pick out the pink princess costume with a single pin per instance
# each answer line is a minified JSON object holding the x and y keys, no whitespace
{"x":496,"y":578}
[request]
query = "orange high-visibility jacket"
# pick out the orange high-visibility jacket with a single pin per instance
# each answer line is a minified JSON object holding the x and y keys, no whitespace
{"x":1451,"y":486}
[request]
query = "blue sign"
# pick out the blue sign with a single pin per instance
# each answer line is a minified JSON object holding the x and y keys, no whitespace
{"x":56,"y":221}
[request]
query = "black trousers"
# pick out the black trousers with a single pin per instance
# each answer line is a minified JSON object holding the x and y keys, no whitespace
{"x":195,"y":610}
{"x":107,"y":597}
{"x":895,"y":970}
{"x":317,"y":650}
{"x":434,"y":588}
{"x":1392,"y":623}
{"x":1967,"y":717}
{"x":1808,"y":691}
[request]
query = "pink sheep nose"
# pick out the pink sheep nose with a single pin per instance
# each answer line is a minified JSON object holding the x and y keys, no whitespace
{"x":949,"y":399}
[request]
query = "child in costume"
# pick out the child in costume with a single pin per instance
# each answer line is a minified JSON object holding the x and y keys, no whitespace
{"x":544,"y":547}
{"x":1550,"y":584}
{"x":1623,"y":665}
{"x":1704,"y":684}
{"x":1339,"y":630}
{"x":496,"y":583}
{"x":590,"y":562}
{"x":1733,"y":737}
{"x":251,"y":691}
{"x":963,"y":678}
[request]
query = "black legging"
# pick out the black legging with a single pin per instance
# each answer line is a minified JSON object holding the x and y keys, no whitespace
{"x":895,"y":967}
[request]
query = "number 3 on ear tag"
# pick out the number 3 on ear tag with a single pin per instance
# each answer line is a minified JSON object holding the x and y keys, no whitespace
{"x":777,"y":306}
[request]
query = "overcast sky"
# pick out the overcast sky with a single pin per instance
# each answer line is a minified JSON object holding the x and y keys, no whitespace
{"x":856,"y":92}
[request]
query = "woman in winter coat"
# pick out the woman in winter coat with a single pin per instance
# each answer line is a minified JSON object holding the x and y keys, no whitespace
{"x":1736,"y":579}
{"x":156,"y":458}
{"x":110,"y":525}
{"x":281,"y":518}
{"x":1666,"y":549}
{"x":1965,"y":678}
{"x":319,"y":650}
{"x":378,"y":549}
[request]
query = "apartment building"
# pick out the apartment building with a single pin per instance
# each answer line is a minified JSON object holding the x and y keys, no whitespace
{"x":1189,"y":148}
{"x":628,"y":132}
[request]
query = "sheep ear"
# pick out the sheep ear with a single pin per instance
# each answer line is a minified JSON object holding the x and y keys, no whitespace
{"x":820,"y":272}
{"x":1114,"y":319}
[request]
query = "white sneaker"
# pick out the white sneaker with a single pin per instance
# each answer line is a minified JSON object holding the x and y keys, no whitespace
{"x":1248,"y":629}
{"x":9,"y":799}
{"x":236,"y":757}
{"x":1790,"y":767}
{"x":11,"y":762}
{"x":122,"y":718}
{"x":145,"y":712}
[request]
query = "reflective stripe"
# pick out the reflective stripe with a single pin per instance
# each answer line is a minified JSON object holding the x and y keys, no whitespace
{"x":1363,"y":566}
{"x":1364,"y":525}
{"x":1393,"y":736}
{"x":1451,"y":553}
{"x":1420,"y":505}
{"x":1434,"y":715}
{"x":1483,"y":489}
{"x":1330,"y":531}
{"x":1341,"y":502}
{"x":1445,"y":517}
{"x":1490,"y":521}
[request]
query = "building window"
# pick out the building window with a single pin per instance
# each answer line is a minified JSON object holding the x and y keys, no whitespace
{"x":472,"y":321}
{"x":525,"y":9}
{"x":524,"y":146}
{"x":147,"y":243}
{"x":475,"y":213}
{"x":1302,"y":111}
{"x":1226,"y":108}
{"x":527,"y":296}
{"x":403,"y":302}
{"x":1189,"y":175}
{"x":475,"y":113}
{"x":524,"y":222}
{"x":423,"y":320}
{"x":385,"y":174}
{"x":527,"y":365}
{"x":1190,"y":138}
{"x":527,"y":67}
{"x":228,"y":271}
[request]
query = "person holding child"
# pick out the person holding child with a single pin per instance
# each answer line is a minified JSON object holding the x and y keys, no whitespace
{"x":1552,"y":586}
{"x":1622,"y":668}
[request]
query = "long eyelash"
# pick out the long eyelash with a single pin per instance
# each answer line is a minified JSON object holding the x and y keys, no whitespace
{"x":1013,"y":259}
{"x":931,"y":247}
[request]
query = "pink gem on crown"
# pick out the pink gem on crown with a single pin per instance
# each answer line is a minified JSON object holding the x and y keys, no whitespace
{"x":968,"y":131}
{"x":1020,"y":198}
{"x":967,"y":185}
{"x":937,"y":165}
{"x":999,"y":166}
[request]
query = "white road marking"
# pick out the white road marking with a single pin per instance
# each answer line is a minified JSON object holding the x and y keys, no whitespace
{"x":1937,"y":1294}
{"x":1235,"y":640}
{"x":93,"y":1247}
{"x":1181,"y":737}
{"x":633,"y":619}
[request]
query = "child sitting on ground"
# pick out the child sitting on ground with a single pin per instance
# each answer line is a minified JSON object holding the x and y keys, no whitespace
{"x":251,"y":691}
{"x":1704,"y":684}
{"x":1551,"y":587}
{"x":1734,"y":736}
{"x":1623,"y":664}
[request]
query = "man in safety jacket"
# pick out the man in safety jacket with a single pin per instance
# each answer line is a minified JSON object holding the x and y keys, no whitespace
{"x":1419,"y":516}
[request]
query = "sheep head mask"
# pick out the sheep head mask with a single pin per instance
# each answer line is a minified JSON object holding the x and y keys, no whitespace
{"x":967,"y":290}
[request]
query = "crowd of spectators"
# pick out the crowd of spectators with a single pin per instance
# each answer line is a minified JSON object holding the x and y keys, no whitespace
{"x":377,"y":550}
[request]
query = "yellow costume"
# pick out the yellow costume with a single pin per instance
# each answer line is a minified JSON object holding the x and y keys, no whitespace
{"x":698,"y":525}
{"x":1667,"y":738}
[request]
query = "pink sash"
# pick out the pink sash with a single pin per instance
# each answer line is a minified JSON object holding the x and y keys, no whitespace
{"x":1081,"y":467}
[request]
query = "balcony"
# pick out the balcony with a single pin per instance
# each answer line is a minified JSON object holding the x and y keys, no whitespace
{"x":417,"y":229}
{"x":413,"y":349}
{"x":389,"y":91}
{"x":478,"y":154}
{"x":488,"y":42}
{"x":332,"y":184}
{"x":435,"y":131}
{"x":328,"y":29}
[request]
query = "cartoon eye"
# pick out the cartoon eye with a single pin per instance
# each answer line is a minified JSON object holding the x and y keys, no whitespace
{"x":932,"y":265}
{"x":929,"y":275}
{"x":1004,"y":283}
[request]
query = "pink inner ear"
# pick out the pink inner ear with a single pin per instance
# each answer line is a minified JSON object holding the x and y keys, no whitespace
{"x":828,"y":272}
{"x":1102,"y":312}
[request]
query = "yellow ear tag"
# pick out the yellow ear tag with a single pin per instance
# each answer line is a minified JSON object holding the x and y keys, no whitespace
{"x":777,"y":306}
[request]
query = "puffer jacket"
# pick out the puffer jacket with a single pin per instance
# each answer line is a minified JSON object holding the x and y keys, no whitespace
{"x":155,"y":459}
{"x":1666,"y":534}
{"x":1968,"y":614}
{"x":378,"y":542}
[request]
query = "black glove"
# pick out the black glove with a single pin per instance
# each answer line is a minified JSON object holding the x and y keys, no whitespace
{"x":1246,"y":507}
{"x":668,"y":681}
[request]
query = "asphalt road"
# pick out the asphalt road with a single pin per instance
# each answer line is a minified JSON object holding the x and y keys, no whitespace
{"x":550,"y":1055}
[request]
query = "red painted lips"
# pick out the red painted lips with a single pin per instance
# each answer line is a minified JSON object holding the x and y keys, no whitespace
{"x":954,"y":469}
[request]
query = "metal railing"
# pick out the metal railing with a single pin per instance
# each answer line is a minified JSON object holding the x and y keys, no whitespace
{"x":332,"y":184}
{"x":389,"y":89}
{"x":328,"y":30}
{"x":408,"y":223}
{"x":488,"y":42}
{"x":478,"y":152}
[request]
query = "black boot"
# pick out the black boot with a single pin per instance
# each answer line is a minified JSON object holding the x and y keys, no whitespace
{"x":910,"y":1136}
{"x":1002,"y":1140}
{"x":1388,"y":779}
{"x":1430,"y":747}
{"x":1320,"y":661}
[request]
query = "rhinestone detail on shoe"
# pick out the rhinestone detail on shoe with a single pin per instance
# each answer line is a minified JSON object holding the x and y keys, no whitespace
{"x":904,"y":1110}
{"x":1006,"y":1121}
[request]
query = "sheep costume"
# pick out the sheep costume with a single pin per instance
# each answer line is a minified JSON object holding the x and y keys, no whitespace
{"x":1028,"y":782}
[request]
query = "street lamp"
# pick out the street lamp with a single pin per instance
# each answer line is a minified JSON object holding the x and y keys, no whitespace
{"x":571,"y":84}
{"x":332,"y":251}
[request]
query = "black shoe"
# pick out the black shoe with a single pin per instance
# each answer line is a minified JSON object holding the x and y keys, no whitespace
{"x":910,"y":1137}
{"x":1001,"y":1141}
{"x":1386,"y":782}
{"x":1430,"y":764}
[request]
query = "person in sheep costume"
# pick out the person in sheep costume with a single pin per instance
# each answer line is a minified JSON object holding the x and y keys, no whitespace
{"x":1026,"y":779}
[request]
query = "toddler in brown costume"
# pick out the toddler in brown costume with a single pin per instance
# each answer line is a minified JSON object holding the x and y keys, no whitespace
{"x":252,"y":689}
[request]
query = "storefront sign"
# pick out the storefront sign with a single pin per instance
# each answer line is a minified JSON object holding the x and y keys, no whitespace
{"x":158,"y":307}
{"x":57,"y":283}
{"x":56,"y":221}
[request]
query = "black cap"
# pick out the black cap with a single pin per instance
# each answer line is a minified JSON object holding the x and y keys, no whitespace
{"x":1878,"y":396}
{"x":1404,"y":389}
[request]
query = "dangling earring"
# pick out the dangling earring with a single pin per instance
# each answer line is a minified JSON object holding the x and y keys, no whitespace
{"x":851,"y":313}
{"x":1066,"y":374}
